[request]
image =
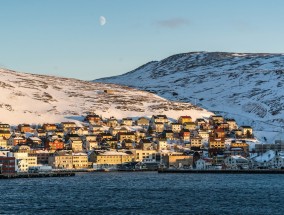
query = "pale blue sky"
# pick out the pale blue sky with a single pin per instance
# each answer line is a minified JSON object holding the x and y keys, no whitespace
{"x":64,"y":38}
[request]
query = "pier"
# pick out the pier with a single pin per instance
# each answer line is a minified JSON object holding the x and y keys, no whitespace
{"x":36,"y":175}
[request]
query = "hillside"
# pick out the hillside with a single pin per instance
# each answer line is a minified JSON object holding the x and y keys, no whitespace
{"x":30,"y":98}
{"x":248,"y":87}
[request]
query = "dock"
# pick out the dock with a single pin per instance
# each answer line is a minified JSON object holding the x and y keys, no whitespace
{"x":227,"y":171}
{"x":36,"y":175}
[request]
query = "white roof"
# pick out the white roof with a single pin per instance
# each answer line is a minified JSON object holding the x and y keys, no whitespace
{"x":265,"y":157}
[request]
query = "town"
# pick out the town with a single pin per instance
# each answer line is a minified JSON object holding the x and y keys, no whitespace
{"x":106,"y":144}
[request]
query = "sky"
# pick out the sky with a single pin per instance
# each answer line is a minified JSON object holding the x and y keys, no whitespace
{"x":65,"y":38}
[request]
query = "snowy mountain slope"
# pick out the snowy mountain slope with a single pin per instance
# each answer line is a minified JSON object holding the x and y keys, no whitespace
{"x":30,"y":98}
{"x":248,"y":87}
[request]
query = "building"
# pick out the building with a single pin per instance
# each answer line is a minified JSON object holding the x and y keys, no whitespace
{"x":110,"y":158}
{"x":176,"y":127}
{"x":61,"y":160}
{"x":217,"y":143}
{"x":80,"y":160}
{"x":3,"y":142}
{"x":24,"y":161}
{"x":7,"y":165}
{"x":184,"y":119}
{"x":127,"y":121}
{"x":49,"y":127}
{"x":68,"y":125}
{"x":236,"y":162}
{"x":143,"y":121}
{"x":140,"y":154}
{"x":177,"y":160}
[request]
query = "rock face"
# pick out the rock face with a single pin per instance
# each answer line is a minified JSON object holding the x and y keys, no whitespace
{"x":248,"y":87}
{"x":30,"y":98}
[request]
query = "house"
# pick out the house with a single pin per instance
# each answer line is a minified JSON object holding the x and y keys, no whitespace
{"x":3,"y":143}
{"x":143,"y":121}
{"x":127,"y":121}
{"x":127,"y":135}
{"x":202,"y":164}
{"x":236,"y":162}
{"x":4,"y":127}
{"x":91,"y":144}
{"x":278,"y":161}
{"x":35,"y":142}
{"x":177,"y":160}
{"x":247,"y":131}
{"x":7,"y":165}
{"x":203,"y":134}
{"x":5,"y":133}
{"x":232,"y":124}
{"x":68,"y":125}
{"x":128,"y":144}
{"x":80,"y":160}
{"x":196,"y":142}
{"x":140,"y":154}
{"x":24,"y":128}
{"x":168,"y":134}
{"x":162,"y":144}
{"x":159,"y":119}
{"x":96,"y":129}
{"x":184,"y":119}
{"x":159,"y":127}
{"x":112,"y":122}
{"x":185,"y":135}
{"x":189,"y":125}
{"x":40,"y":133}
{"x":176,"y":127}
{"x":61,"y":160}
{"x":49,"y":127}
{"x":240,"y":144}
{"x":53,"y":144}
{"x":145,"y":144}
{"x":220,"y":133}
{"x":76,"y":144}
{"x":42,"y":156}
{"x":94,"y":119}
{"x":110,"y":158}
{"x":216,"y":119}
{"x":16,"y":139}
{"x":217,"y":143}
{"x":24,"y":161}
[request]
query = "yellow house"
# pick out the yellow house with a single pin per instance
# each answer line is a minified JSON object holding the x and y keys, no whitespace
{"x":80,"y":160}
{"x":140,"y":154}
{"x":3,"y":142}
{"x":110,"y":157}
{"x":246,"y":130}
{"x":217,"y":143}
{"x":76,"y":145}
{"x":177,"y":160}
{"x":184,"y":119}
{"x":61,"y":160}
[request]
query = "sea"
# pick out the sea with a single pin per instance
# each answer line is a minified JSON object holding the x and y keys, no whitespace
{"x":144,"y":193}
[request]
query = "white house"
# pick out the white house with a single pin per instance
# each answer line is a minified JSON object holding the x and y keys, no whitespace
{"x":236,"y":162}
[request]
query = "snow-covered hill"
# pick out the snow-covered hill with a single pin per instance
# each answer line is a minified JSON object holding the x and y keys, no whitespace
{"x":29,"y":98}
{"x":248,"y":87}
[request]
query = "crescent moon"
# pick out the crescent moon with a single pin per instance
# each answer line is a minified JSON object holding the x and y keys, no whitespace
{"x":102,"y":20}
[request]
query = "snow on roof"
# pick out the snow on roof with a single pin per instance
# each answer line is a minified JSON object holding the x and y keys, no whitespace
{"x":109,"y":153}
{"x":265,"y":157}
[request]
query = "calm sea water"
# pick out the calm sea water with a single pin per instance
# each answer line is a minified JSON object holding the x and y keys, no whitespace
{"x":144,"y":193}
